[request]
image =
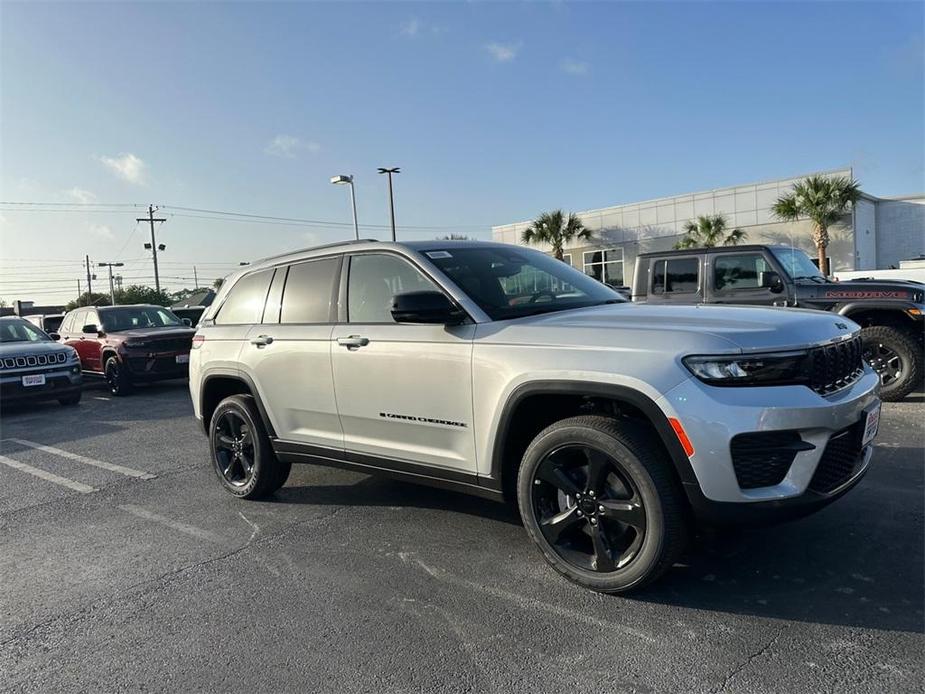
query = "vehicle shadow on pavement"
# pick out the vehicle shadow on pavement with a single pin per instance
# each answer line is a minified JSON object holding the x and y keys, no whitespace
{"x":381,"y":491}
{"x":856,"y":563}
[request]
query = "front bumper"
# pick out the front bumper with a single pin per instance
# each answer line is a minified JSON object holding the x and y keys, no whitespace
{"x":712,"y":417}
{"x":59,"y":383}
{"x":156,"y":367}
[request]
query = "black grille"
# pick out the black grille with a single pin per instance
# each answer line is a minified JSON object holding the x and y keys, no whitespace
{"x":170,"y":344}
{"x":835,"y":366}
{"x":840,"y":460}
{"x":762,"y":459}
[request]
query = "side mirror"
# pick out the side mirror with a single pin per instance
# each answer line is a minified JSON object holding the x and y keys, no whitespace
{"x":54,"y":336}
{"x":187,"y":322}
{"x":90,"y":328}
{"x":425,"y":307}
{"x":771,"y":280}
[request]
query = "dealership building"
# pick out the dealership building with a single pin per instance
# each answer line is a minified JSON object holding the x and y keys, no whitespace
{"x":877,"y":233}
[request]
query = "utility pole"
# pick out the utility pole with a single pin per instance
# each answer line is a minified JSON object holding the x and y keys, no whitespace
{"x":153,"y":245}
{"x":89,"y":283}
{"x":112,"y":290}
{"x":79,"y":292}
{"x":195,"y":277}
{"x":394,"y":170}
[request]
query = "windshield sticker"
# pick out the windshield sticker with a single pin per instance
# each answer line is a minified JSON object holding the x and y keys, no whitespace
{"x":437,"y":255}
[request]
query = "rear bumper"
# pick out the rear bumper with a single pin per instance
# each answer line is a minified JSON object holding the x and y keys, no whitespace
{"x":58,"y":384}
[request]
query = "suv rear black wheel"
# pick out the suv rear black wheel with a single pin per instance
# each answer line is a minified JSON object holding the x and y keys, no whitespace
{"x":241,"y":452}
{"x":599,"y":498}
{"x":895,"y":357}
{"x":117,"y":377}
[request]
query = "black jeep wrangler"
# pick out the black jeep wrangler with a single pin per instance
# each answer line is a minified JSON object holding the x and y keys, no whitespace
{"x":889,"y":311}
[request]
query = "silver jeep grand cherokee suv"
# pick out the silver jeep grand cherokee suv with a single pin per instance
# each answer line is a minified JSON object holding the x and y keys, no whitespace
{"x":502,"y":372}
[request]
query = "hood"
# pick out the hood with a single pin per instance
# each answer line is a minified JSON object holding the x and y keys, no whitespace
{"x":155,"y":333}
{"x":679,"y":329}
{"x":8,"y":349}
{"x":863,"y":290}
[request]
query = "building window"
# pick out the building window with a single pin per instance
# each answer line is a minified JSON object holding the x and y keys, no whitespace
{"x":567,"y":258}
{"x":605,"y":266}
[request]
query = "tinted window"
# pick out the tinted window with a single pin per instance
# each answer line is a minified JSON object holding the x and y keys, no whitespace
{"x":731,"y":272}
{"x":17,"y":330}
{"x":244,"y":303}
{"x":508,"y":282}
{"x":51,"y":323}
{"x":310,"y":291}
{"x":675,"y":275}
{"x":275,"y":297}
{"x":131,"y":317}
{"x":373,"y":280}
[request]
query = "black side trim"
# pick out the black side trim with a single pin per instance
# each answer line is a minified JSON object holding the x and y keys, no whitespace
{"x":251,"y":386}
{"x":293,"y":452}
{"x":620,"y":393}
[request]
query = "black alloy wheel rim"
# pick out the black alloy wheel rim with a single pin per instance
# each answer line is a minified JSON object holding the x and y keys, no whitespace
{"x":588,"y":508}
{"x":886,"y":362}
{"x":234,"y":449}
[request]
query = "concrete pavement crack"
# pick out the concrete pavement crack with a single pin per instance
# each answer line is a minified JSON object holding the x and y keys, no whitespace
{"x":748,"y":661}
{"x":167,"y":577}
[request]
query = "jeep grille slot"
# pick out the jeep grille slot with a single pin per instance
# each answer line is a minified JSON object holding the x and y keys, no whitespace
{"x":832,"y":367}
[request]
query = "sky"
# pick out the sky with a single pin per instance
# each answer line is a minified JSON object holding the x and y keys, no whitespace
{"x":495,"y":112}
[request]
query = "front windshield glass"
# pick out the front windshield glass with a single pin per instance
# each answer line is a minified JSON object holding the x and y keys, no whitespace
{"x":797,"y":264}
{"x":21,"y":331}
{"x":514,"y":282}
{"x":134,"y":317}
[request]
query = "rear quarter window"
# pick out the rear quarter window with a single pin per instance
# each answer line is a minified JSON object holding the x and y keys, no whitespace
{"x":676,"y":276}
{"x":245,"y":301}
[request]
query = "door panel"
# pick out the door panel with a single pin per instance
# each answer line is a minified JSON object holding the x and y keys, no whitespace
{"x":407,"y":393}
{"x":92,"y":344}
{"x":293,"y":375}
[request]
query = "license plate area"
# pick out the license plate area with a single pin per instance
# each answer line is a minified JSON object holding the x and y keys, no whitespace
{"x":33,"y":380}
{"x":871,"y":425}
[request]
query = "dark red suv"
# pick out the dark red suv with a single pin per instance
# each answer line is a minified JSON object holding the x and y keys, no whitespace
{"x":129,"y":344}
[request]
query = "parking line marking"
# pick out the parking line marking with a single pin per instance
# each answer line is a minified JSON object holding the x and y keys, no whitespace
{"x":184,"y":528}
{"x":112,"y":467}
{"x":49,"y":476}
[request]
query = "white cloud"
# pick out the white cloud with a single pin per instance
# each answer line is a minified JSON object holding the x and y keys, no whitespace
{"x":127,"y":167}
{"x":503,"y":52}
{"x":80,"y":195}
{"x":101,"y":230}
{"x":574,"y":67}
{"x":288,"y":146}
{"x":410,"y":27}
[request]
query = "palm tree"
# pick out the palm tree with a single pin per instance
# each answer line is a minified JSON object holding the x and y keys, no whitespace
{"x":821,"y":199}
{"x":709,"y":231}
{"x":555,"y":229}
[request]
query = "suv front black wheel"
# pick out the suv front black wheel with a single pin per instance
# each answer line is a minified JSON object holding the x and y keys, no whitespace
{"x":241,"y":452}
{"x":599,"y":498}
{"x":117,"y":377}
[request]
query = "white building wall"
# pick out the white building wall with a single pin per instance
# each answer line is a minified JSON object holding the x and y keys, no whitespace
{"x":865,"y":234}
{"x":901,"y":227}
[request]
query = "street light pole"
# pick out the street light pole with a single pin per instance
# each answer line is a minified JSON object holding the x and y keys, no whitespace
{"x":344,"y":179}
{"x":112,"y":289}
{"x":391,"y":171}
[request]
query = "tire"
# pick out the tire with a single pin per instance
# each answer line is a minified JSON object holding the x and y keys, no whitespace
{"x":638,"y":486}
{"x":896,"y":357}
{"x":71,"y":399}
{"x":117,"y":377}
{"x":242,"y":456}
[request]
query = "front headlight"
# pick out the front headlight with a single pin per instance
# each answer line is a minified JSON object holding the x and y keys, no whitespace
{"x":777,"y":369}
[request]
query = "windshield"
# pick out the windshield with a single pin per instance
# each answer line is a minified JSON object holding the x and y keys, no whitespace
{"x":797,"y":264}
{"x":133,"y":317}
{"x":21,"y":331}
{"x":509,"y":283}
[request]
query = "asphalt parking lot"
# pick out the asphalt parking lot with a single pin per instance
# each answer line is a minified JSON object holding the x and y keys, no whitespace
{"x":125,"y":567}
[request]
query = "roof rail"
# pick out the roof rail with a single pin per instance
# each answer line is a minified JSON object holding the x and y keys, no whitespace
{"x":314,"y":248}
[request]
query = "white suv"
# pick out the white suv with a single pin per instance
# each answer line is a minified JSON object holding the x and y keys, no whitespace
{"x":502,"y":372}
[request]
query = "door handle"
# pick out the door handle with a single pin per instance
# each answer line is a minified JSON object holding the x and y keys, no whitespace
{"x":262,"y":340}
{"x":353,"y":342}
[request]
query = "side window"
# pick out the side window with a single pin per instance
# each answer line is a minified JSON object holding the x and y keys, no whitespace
{"x":275,"y":297}
{"x":676,"y":276}
{"x":244,"y":303}
{"x":309,"y":293}
{"x":374,"y":278}
{"x":91,"y":318}
{"x":77,"y":322}
{"x":66,"y":323}
{"x":734,"y":272}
